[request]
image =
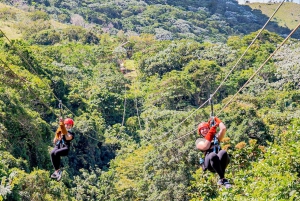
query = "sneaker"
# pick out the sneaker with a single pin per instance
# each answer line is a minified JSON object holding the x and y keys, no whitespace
{"x":224,"y":182}
{"x":59,"y":174}
{"x":54,"y":175}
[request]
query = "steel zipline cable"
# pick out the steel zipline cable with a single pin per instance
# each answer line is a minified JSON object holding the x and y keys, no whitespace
{"x":255,"y":73}
{"x":31,"y":91}
{"x":124,"y":103}
{"x":226,"y":77}
{"x":32,"y":68}
{"x":125,"y":89}
{"x":26,"y":81}
{"x":28,"y":87}
{"x":247,"y":82}
{"x":136,"y":107}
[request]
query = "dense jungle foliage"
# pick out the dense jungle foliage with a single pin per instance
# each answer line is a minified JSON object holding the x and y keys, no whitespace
{"x":135,"y":131}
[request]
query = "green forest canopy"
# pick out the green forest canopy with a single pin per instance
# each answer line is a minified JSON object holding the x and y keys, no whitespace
{"x":128,"y":143}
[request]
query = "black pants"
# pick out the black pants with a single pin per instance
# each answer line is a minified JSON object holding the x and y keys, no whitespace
{"x":217,"y":162}
{"x":56,"y":153}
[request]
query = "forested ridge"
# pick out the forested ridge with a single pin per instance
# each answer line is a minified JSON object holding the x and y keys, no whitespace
{"x":134,"y":75}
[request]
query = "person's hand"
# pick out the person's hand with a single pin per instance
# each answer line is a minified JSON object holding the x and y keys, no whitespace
{"x":61,"y":119}
{"x":217,"y":121}
{"x":213,"y":130}
{"x":56,"y":139}
{"x":211,"y":133}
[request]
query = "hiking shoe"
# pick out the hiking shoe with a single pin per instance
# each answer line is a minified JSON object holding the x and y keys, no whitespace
{"x":54,"y":175}
{"x":224,"y":182}
{"x":59,"y":174}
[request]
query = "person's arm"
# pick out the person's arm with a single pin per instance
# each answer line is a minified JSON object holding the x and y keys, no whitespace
{"x":57,"y":135}
{"x":62,"y":127}
{"x":69,"y":136}
{"x":203,"y":145}
{"x":56,"y":138}
{"x":221,"y":126}
{"x":222,"y":131}
{"x":206,"y":142}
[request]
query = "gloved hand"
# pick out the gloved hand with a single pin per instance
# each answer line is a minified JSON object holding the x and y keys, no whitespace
{"x":211,"y":133}
{"x":63,"y":128}
{"x":217,"y":121}
{"x":57,"y":132}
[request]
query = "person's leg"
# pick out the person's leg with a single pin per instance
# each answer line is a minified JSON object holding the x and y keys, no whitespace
{"x":213,"y":164}
{"x":56,"y":154}
{"x":224,"y":159}
{"x":54,"y":158}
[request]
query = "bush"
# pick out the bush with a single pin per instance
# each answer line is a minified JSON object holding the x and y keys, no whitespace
{"x":7,"y":14}
{"x":39,"y":15}
{"x":46,"y":37}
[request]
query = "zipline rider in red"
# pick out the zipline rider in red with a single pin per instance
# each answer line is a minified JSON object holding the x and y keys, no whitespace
{"x":216,"y":160}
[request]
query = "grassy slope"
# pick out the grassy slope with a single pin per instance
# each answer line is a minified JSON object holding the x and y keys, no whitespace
{"x":287,"y":16}
{"x":10,"y":27}
{"x":7,"y":26}
{"x":11,"y":32}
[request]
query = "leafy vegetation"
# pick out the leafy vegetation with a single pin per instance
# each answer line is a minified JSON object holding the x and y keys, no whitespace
{"x":135,"y":99}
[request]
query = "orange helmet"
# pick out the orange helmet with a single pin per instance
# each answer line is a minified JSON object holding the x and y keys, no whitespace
{"x":69,"y":121}
{"x":202,"y":125}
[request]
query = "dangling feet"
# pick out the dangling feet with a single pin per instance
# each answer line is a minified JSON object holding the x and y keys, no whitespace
{"x":59,"y":174}
{"x":54,"y":175}
{"x":224,"y":182}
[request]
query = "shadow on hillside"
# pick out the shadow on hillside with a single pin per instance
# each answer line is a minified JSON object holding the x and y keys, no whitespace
{"x":272,"y":26}
{"x":242,"y":18}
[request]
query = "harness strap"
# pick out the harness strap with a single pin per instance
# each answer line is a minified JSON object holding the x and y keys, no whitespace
{"x":212,"y":123}
{"x":60,"y":142}
{"x":216,"y":145}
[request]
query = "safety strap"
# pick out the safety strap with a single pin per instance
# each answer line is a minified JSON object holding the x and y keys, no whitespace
{"x":60,"y":108}
{"x":61,"y":115}
{"x":212,"y":123}
{"x":60,"y":142}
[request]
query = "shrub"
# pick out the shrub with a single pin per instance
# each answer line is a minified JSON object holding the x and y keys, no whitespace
{"x":46,"y":37}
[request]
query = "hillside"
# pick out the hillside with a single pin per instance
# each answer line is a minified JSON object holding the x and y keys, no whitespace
{"x":199,"y":20}
{"x":14,"y":21}
{"x":135,"y":133}
{"x":7,"y":23}
{"x":287,"y":16}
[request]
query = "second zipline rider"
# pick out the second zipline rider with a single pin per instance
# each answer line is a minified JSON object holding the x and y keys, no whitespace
{"x":62,"y":140}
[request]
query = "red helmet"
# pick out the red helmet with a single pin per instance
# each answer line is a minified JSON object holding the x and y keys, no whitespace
{"x":69,"y":121}
{"x":202,"y":125}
